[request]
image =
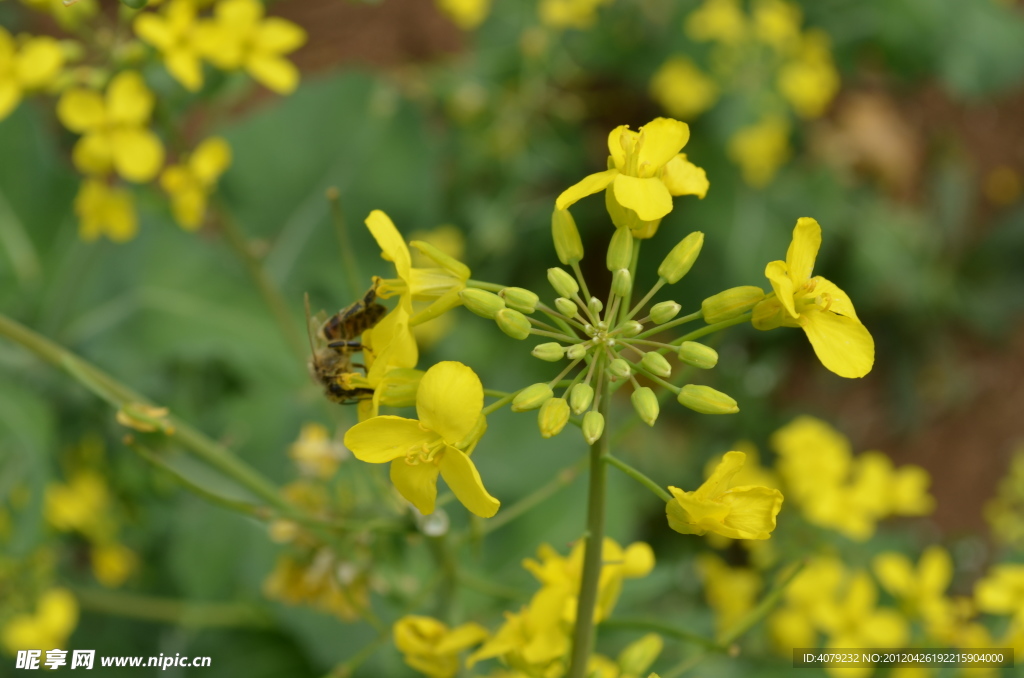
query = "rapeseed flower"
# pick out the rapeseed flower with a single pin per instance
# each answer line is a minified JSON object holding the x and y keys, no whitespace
{"x":431,"y":647}
{"x":32,"y":65}
{"x":721,"y":21}
{"x":731,"y":592}
{"x":810,"y":81}
{"x":1001,"y":591}
{"x":390,"y":355}
{"x":822,"y":310}
{"x":190,"y":182}
{"x":47,"y":628}
{"x":105,"y":210}
{"x":563,"y":14}
{"x":467,"y":14}
{"x":173,"y":32}
{"x":449,"y":403}
{"x":921,"y":589}
{"x":683,"y":89}
{"x":316,"y":453}
{"x":760,"y":150}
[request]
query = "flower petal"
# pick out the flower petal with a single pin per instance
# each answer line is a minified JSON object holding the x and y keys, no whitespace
{"x":843,"y":345}
{"x":752,"y":511}
{"x":390,"y":241}
{"x":464,"y":480}
{"x":589,"y":185}
{"x":137,"y":153}
{"x":682,"y":177}
{"x":210,"y":159}
{"x":92,"y":154}
{"x":155,"y":30}
{"x":273,"y":72}
{"x":649,"y":198}
{"x":10,"y":97}
{"x":129,"y":101}
{"x":803,"y":250}
{"x":385,"y":438}
{"x":39,"y":62}
{"x":616,"y":148}
{"x":840,"y":303}
{"x":186,"y":68}
{"x":449,"y":400}
{"x":661,"y":140}
{"x":279,"y":36}
{"x":718,"y":481}
{"x":80,"y":109}
{"x":778,"y":274}
{"x":415,"y":482}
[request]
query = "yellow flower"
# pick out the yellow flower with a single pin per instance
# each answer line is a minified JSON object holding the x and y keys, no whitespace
{"x":324,"y":584}
{"x":561,"y":14}
{"x":1002,"y":591}
{"x":173,"y":33}
{"x":449,"y":402}
{"x":239,"y":36}
{"x":79,"y":505}
{"x":682,"y":89}
{"x":795,"y":624}
{"x":440,"y":286}
{"x":810,"y":81}
{"x":105,"y":210}
{"x":113,"y":129}
{"x":55,"y":618}
{"x":718,"y":20}
{"x":190,"y":182}
{"x":852,"y":619}
{"x":777,"y":23}
{"x":390,"y":354}
{"x":921,"y":590}
{"x":646,"y":169}
{"x":33,"y":65}
{"x":533,"y":640}
{"x":745,"y":512}
{"x":467,"y":14}
{"x":432,"y":648}
{"x":760,"y":150}
{"x":315,"y":452}
{"x":822,"y":310}
{"x":112,"y":563}
{"x":730,"y":591}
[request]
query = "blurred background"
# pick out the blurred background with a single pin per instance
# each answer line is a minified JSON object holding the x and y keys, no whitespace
{"x":897,"y":124}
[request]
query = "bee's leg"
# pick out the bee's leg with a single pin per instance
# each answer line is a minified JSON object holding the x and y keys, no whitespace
{"x":353,"y":345}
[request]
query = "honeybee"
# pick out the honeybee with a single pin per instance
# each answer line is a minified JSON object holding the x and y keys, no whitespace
{"x":334,"y":339}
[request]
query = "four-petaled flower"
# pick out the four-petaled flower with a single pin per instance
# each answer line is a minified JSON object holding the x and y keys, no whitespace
{"x":33,"y":65}
{"x":819,"y":307}
{"x":449,"y":403}
{"x":190,"y":182}
{"x":174,"y":34}
{"x":431,"y":647}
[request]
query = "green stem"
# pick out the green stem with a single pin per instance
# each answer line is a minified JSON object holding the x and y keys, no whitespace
{"x":170,"y":611}
{"x":634,"y":259}
{"x":670,"y":324}
{"x":481,"y":285}
{"x":348,"y":255}
{"x":347,"y":667}
{"x":640,"y":478}
{"x":583,"y":632}
{"x":555,"y":335}
{"x":640,"y":304}
{"x":711,"y":329}
{"x":581,"y":279}
{"x":498,"y":404}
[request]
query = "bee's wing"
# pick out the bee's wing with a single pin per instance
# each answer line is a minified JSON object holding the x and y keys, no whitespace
{"x":316,"y":323}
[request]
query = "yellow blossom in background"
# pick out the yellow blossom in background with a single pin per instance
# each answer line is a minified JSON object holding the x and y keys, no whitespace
{"x":34,"y":64}
{"x":852,"y":619}
{"x":467,"y":14}
{"x":323,"y":583}
{"x":449,"y":402}
{"x":1005,"y":513}
{"x":777,"y":23}
{"x":431,"y":647}
{"x":809,"y":81}
{"x":646,"y":169}
{"x":103,"y":210}
{"x":730,"y":591}
{"x":439,"y":285}
{"x":532,"y":641}
{"x":795,"y":623}
{"x":760,"y":150}
{"x":562,"y":14}
{"x":1001,"y":591}
{"x":822,"y":310}
{"x":190,"y":182}
{"x":637,"y":657}
{"x":47,"y":628}
{"x":112,"y":563}
{"x":173,"y":33}
{"x":717,"y":20}
{"x":316,"y":453}
{"x":239,"y":36}
{"x":80,"y":505}
{"x":682,"y":89}
{"x":113,"y":128}
{"x":745,"y":512}
{"x":920,"y":590}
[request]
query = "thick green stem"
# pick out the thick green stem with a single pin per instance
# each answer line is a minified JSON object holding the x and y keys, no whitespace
{"x":583,"y":633}
{"x":170,"y":611}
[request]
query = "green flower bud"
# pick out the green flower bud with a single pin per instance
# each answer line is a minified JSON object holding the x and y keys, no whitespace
{"x":531,"y":397}
{"x":593,"y":426}
{"x":730,"y":303}
{"x":595,"y":306}
{"x":575,"y":352}
{"x":664,"y":311}
{"x":646,"y":404}
{"x":620,"y":249}
{"x":520,"y":299}
{"x":553,"y":416}
{"x":631,"y":328}
{"x":564,"y":284}
{"x":551,"y":352}
{"x":567,"y":307}
{"x":638,"y":656}
{"x":445,"y":261}
{"x":698,"y":355}
{"x":568,"y":245}
{"x":513,"y":323}
{"x":619,"y":369}
{"x":706,"y":400}
{"x":485,"y":304}
{"x":581,"y":397}
{"x":656,"y":364}
{"x":681,"y":258}
{"x":622,"y":283}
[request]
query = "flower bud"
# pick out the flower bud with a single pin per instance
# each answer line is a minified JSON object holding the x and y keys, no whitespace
{"x":646,"y":404}
{"x":575,"y":352}
{"x":553,"y":416}
{"x":620,"y":249}
{"x":595,"y":306}
{"x":519,"y":299}
{"x":551,"y":351}
{"x":706,"y":400}
{"x":485,"y":304}
{"x":619,"y":369}
{"x":698,"y":355}
{"x":568,"y":245}
{"x":730,"y":303}
{"x":664,"y":311}
{"x":681,"y":258}
{"x":638,"y":656}
{"x":656,"y":364}
{"x":563,"y":283}
{"x":581,"y":397}
{"x":631,"y":328}
{"x":593,"y":426}
{"x":445,"y":261}
{"x":567,"y":307}
{"x":622,"y":283}
{"x":513,"y":323}
{"x":531,"y":397}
